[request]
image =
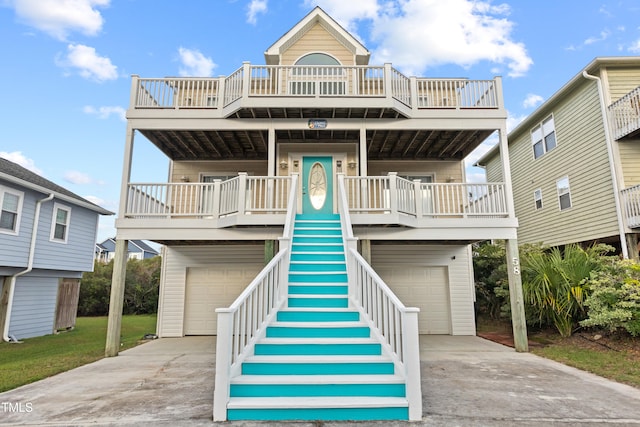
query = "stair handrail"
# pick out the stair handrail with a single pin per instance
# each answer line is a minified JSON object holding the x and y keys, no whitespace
{"x":244,"y":322}
{"x":393,"y":324}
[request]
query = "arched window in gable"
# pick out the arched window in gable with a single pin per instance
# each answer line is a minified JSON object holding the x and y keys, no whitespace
{"x":317,"y":73}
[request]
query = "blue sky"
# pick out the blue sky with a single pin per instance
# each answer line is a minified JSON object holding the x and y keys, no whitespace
{"x":67,"y":64}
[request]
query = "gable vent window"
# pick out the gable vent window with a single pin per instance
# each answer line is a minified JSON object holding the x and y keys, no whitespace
{"x":543,"y":137}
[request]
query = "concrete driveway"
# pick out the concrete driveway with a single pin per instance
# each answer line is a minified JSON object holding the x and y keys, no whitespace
{"x":466,"y":381}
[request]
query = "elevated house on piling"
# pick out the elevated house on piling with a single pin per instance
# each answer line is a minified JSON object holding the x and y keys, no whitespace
{"x":317,"y":220}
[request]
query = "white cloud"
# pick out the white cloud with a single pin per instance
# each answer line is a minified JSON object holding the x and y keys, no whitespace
{"x":255,"y":7}
{"x":635,"y":47}
{"x":76,"y":177}
{"x":603,"y":36}
{"x":58,"y":18}
{"x":347,"y":12}
{"x":195,"y":64}
{"x":90,"y":65}
{"x":532,"y":100}
{"x":418,"y":34}
{"x":22,"y":160}
{"x":106,"y":112}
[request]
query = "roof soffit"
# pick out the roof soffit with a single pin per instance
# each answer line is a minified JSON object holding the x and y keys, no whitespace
{"x":316,"y":16}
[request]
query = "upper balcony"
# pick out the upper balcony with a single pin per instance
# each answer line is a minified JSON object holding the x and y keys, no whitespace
{"x":625,"y":115}
{"x":269,"y":91}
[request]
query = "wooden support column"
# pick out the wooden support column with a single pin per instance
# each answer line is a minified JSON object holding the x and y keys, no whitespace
{"x":518,"y":319}
{"x":363,"y":151}
{"x":633,"y":245}
{"x":269,"y":250}
{"x":116,"y":301}
{"x":365,"y":250}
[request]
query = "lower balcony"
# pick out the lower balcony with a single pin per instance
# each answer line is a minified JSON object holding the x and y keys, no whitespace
{"x":254,"y":208}
{"x":631,"y":206}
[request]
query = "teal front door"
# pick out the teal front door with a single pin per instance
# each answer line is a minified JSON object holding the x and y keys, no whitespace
{"x":317,"y":185}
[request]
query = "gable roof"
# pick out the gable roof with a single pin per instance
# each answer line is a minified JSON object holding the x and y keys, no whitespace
{"x":19,"y":175}
{"x":317,"y":16}
{"x":543,"y":110}
{"x":134,"y":245}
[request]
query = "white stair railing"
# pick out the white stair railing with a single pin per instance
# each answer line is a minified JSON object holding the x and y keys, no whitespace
{"x":244,"y":322}
{"x":395,"y":325}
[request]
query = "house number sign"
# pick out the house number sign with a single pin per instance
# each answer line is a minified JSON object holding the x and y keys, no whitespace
{"x":516,"y":265}
{"x":317,"y":124}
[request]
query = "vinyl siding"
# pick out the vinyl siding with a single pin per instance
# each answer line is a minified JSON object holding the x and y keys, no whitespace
{"x":621,"y":81}
{"x":176,"y":260}
{"x":75,"y":255}
{"x":34,"y":306}
{"x":317,"y":39}
{"x":457,"y":261}
{"x":580,"y":154}
{"x":193,"y":169}
{"x":441,"y":170}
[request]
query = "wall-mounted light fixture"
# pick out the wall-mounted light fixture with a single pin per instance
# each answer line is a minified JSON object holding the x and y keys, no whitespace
{"x":352,"y":164}
{"x":284,"y":164}
{"x":451,"y":179}
{"x":184,"y":178}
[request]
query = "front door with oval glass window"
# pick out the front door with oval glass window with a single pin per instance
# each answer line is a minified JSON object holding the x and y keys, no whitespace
{"x":317,"y":184}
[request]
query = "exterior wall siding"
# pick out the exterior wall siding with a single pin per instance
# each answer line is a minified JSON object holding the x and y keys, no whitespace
{"x":193,"y":169}
{"x":630,"y":161}
{"x":461,"y":282}
{"x":175,"y":261}
{"x":620,"y":81}
{"x":317,"y":39}
{"x":34,"y":306}
{"x":580,"y":154}
{"x":441,"y":170}
{"x":76,"y":254}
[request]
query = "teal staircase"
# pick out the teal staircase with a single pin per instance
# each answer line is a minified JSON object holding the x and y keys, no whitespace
{"x":319,"y":359}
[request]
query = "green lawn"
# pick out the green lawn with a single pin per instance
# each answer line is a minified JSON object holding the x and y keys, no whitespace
{"x":41,"y":357}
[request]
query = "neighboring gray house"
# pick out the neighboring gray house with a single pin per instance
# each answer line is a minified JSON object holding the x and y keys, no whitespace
{"x":575,"y":161}
{"x":137,"y":249}
{"x":46,"y":238}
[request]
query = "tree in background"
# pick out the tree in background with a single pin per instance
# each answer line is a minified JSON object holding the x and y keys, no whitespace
{"x":140,"y":294}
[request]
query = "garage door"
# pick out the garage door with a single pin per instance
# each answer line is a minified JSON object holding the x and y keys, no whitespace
{"x":208,"y":288}
{"x":424,"y":287}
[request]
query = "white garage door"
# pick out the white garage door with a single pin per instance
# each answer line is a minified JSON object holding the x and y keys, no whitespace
{"x":424,"y":287}
{"x":208,"y":288}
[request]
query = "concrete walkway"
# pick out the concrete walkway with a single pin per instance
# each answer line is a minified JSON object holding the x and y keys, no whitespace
{"x":466,"y":381}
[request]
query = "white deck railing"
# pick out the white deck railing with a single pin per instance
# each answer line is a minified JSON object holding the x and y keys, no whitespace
{"x":314,"y":81}
{"x":393,"y":194}
{"x":395,"y":325}
{"x":625,"y":114}
{"x":244,"y":321}
{"x":240,"y":195}
{"x":631,"y":206}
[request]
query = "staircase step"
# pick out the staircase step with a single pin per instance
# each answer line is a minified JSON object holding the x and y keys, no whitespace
{"x":306,"y":266}
{"x":317,"y":217}
{"x":317,"y":386}
{"x":316,"y":247}
{"x":318,"y":290}
{"x":318,"y":408}
{"x":315,"y":315}
{"x":317,"y":365}
{"x":318,"y":277}
{"x":326,"y":301}
{"x":318,"y":256}
{"x":317,"y":231}
{"x":317,"y":346}
{"x":282,"y":331}
{"x":317,"y":239}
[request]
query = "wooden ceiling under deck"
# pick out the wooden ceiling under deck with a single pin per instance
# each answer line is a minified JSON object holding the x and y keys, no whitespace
{"x":398,"y":144}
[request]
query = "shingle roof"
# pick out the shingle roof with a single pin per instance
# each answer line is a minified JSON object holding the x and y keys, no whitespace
{"x":24,"y":176}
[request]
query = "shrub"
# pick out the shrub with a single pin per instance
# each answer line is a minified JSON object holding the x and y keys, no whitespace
{"x":614,"y":302}
{"x":490,"y":273}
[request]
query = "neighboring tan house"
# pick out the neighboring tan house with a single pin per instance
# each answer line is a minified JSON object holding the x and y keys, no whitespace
{"x":138,"y":249}
{"x":47,"y":234}
{"x":576,"y":161}
{"x":349,"y":180}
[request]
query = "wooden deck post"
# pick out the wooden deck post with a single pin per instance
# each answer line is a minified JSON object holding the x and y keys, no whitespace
{"x":116,"y":301}
{"x":518,"y":319}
